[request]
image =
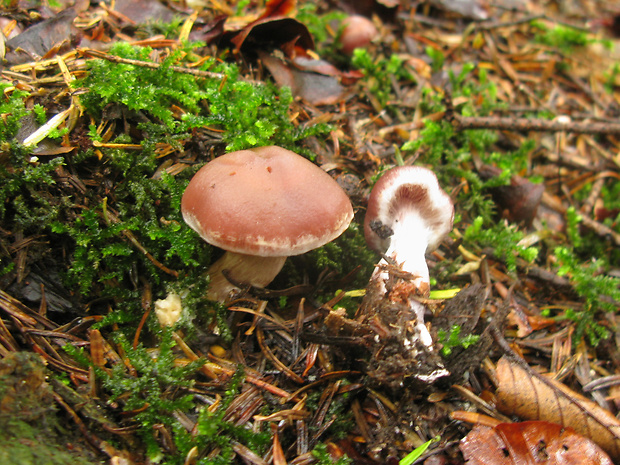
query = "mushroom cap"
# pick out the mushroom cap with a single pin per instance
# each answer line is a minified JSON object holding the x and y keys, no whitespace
{"x":357,"y":32}
{"x":407,"y":190}
{"x":266,"y":201}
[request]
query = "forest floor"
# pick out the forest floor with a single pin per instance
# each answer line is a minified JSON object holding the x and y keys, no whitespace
{"x":109,"y":109}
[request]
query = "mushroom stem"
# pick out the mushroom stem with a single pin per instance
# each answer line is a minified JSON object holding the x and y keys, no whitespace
{"x":408,"y":245}
{"x":251,"y":269}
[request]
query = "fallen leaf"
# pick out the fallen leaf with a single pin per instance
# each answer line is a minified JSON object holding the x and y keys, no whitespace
{"x":144,"y":11}
{"x":278,"y":8}
{"x":40,"y":38}
{"x":385,"y":9}
{"x":530,"y":442}
{"x":314,"y":88}
{"x":541,"y":398}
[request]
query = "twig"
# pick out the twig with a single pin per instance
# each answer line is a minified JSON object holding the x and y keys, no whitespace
{"x":111,"y":218}
{"x":486,"y":26}
{"x":461,"y":123}
{"x":147,"y":64}
{"x":564,"y":124}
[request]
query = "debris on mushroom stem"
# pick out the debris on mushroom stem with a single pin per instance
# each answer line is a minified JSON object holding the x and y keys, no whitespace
{"x":408,"y":215}
{"x":402,"y":352}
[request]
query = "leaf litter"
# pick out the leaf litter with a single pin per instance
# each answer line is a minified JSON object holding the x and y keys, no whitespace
{"x":515,"y":108}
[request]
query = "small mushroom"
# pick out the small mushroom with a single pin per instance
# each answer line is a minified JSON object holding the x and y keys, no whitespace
{"x":357,"y":32}
{"x":408,"y":215}
{"x":262,"y":205}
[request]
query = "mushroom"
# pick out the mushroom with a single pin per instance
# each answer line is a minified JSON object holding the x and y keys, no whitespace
{"x":262,"y":205}
{"x":408,"y":215}
{"x":357,"y":32}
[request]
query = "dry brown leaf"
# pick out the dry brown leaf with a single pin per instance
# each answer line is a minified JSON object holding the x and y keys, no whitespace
{"x":144,"y":11}
{"x":537,"y":398}
{"x":314,"y":88}
{"x":40,"y":38}
{"x":530,"y":442}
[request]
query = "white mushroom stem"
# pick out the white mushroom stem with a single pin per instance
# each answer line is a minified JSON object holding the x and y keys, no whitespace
{"x":408,"y":245}
{"x":247,"y":269}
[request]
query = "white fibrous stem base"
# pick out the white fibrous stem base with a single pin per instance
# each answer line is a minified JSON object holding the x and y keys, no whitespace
{"x":242,"y":269}
{"x":407,"y":249}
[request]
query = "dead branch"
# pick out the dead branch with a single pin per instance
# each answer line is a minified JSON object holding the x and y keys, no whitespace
{"x":147,"y":64}
{"x":461,"y":123}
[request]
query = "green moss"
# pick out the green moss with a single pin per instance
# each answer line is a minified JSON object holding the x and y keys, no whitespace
{"x":346,"y":253}
{"x":453,"y":339}
{"x":160,"y":387}
{"x":24,"y":444}
{"x":437,"y":58}
{"x":321,"y":454}
{"x":599,"y":291}
{"x":378,"y":71}
{"x":318,"y":23}
{"x":30,"y":425}
{"x":504,"y":239}
{"x":246,"y":114}
{"x":28,"y":195}
{"x":12,"y":109}
{"x":563,"y":37}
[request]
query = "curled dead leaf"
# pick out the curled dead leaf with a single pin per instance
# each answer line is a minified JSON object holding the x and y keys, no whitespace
{"x":274,"y":32}
{"x":532,"y":397}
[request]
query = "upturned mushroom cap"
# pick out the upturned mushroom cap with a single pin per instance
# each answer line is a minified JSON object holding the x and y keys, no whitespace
{"x":401,"y":192}
{"x":266,"y":201}
{"x":408,"y":215}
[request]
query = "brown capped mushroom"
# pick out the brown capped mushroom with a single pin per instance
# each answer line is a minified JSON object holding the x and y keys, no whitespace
{"x":357,"y":32}
{"x":262,"y":205}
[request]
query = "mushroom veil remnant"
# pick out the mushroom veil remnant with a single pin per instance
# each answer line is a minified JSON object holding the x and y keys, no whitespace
{"x":408,"y":215}
{"x":262,"y":205}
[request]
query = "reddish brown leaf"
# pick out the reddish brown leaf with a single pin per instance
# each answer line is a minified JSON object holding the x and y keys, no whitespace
{"x":278,"y":8}
{"x":530,"y":442}
{"x":537,"y":398}
{"x":385,"y":9}
{"x":317,"y":89}
{"x":211,"y":31}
